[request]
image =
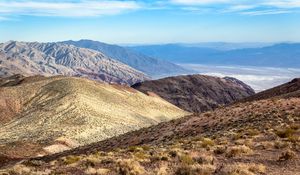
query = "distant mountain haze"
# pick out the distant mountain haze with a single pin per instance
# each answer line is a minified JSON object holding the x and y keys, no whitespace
{"x":61,"y":59}
{"x":278,"y":55}
{"x":151,"y":66}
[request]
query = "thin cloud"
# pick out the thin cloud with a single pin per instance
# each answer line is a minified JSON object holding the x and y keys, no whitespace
{"x":84,"y":8}
{"x":199,"y":2}
{"x":245,"y":7}
{"x":265,"y":12}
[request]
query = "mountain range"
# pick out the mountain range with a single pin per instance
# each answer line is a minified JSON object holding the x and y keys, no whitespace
{"x":267,"y":56}
{"x":150,"y":66}
{"x":245,"y":138}
{"x":62,"y":59}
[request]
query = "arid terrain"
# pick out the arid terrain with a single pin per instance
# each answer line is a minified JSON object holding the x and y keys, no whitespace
{"x":43,"y":115}
{"x":246,"y":138}
{"x":197,"y":93}
{"x":48,"y":59}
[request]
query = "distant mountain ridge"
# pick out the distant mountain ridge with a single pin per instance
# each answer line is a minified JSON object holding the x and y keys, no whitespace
{"x":268,"y":56}
{"x":33,"y":58}
{"x":151,"y":66}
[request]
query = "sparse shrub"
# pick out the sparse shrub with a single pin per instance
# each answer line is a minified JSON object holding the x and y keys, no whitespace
{"x":204,"y":159}
{"x":237,"y":136}
{"x":220,"y":150}
{"x":295,"y":126}
{"x":243,"y":169}
{"x":207,"y":142}
{"x":100,"y":171}
{"x":140,"y":155}
{"x":135,"y":149}
{"x":107,"y":161}
{"x":91,"y":162}
{"x":162,"y":170}
{"x":34,"y":163}
{"x":20,"y":169}
{"x":293,"y":138}
{"x":195,"y":169}
{"x":173,"y":153}
{"x":252,"y":132}
{"x":71,"y":159}
{"x":164,"y":158}
{"x":129,"y":167}
{"x":285,"y":133}
{"x":287,"y":155}
{"x":238,"y":151}
{"x":186,"y":159}
{"x":280,"y":144}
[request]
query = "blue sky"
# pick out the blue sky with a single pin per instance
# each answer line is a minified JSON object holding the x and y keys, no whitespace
{"x":145,"y":21}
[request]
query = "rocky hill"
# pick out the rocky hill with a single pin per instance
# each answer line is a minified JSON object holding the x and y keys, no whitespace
{"x":151,"y":66}
{"x":258,"y":137}
{"x":41,"y":115}
{"x":60,"y":59}
{"x":197,"y":93}
{"x":290,"y":89}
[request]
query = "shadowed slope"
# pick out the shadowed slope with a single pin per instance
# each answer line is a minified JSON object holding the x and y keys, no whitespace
{"x":197,"y":93}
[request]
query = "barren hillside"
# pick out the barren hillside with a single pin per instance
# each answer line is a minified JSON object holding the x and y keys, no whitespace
{"x":48,"y":59}
{"x":197,"y":93}
{"x":44,"y":115}
{"x":258,"y":137}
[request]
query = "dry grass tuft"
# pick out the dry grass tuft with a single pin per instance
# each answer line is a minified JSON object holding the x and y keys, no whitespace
{"x":287,"y":155}
{"x":238,"y":151}
{"x":243,"y":169}
{"x":71,"y":159}
{"x":196,"y":169}
{"x":129,"y":167}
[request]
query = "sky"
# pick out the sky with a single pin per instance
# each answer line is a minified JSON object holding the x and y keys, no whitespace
{"x":155,"y":21}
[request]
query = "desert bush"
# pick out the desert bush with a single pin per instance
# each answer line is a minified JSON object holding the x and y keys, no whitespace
{"x":207,"y":142}
{"x":295,"y":126}
{"x":195,"y":169}
{"x":186,"y":159}
{"x":100,"y":171}
{"x":252,"y":132}
{"x":107,"y":161}
{"x":71,"y":159}
{"x":204,"y":159}
{"x":287,"y":155}
{"x":129,"y":167}
{"x":173,"y":153}
{"x":243,"y":169}
{"x":285,"y":133}
{"x":238,"y":151}
{"x":162,"y":170}
{"x":140,"y":155}
{"x":280,"y":144}
{"x":20,"y":170}
{"x":135,"y":149}
{"x":220,"y":150}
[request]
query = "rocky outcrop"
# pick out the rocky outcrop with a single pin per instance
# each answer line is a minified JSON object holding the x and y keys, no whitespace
{"x":197,"y":93}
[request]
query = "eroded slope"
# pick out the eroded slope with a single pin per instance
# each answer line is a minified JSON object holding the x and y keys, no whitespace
{"x":74,"y":111}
